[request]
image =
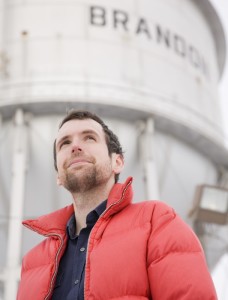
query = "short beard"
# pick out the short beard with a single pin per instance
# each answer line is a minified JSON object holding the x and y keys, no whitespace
{"x":87,"y":181}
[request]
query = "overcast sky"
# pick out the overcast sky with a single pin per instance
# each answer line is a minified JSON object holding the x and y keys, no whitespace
{"x":222,"y":9}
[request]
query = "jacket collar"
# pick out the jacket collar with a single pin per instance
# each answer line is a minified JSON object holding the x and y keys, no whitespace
{"x":55,"y":222}
{"x":120,"y":196}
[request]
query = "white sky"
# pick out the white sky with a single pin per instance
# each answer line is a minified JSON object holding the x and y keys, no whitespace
{"x":220,"y":273}
{"x":222,"y":9}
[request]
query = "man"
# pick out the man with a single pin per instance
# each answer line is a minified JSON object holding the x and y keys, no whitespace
{"x":103,"y":246}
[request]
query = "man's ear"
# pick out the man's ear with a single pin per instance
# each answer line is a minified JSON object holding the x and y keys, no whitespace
{"x":58,"y":180}
{"x":118,"y":163}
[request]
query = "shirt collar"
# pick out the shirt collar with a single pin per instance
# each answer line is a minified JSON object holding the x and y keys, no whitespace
{"x":91,"y":219}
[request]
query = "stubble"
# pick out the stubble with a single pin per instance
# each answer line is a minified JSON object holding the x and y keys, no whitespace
{"x":87,"y":178}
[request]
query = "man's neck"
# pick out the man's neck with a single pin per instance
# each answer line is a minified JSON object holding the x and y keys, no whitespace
{"x":87,"y":201}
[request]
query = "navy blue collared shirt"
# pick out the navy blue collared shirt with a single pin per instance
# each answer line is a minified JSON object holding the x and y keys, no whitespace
{"x":69,"y":283}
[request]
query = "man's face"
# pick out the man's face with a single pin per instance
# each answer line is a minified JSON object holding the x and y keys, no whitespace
{"x":83,"y":161}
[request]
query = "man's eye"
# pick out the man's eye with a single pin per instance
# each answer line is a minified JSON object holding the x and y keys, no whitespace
{"x":64,"y":143}
{"x":90,"y":137}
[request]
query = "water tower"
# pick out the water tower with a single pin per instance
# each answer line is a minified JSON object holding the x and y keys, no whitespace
{"x":149,"y":68}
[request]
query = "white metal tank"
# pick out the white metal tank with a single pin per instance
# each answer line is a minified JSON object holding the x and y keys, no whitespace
{"x":149,"y":68}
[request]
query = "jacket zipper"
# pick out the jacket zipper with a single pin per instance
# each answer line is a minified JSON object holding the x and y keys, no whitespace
{"x":115,"y":203}
{"x":56,"y":258}
{"x":56,"y":261}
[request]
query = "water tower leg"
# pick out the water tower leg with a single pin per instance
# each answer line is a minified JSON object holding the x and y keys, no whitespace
{"x":19,"y":166}
{"x":149,"y":166}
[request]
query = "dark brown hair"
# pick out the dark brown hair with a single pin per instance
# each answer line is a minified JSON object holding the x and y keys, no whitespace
{"x":112,"y":140}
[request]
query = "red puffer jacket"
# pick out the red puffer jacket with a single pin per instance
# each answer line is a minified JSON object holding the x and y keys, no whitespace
{"x":135,"y":251}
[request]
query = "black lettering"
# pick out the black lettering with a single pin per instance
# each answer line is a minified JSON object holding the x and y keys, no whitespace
{"x":143,"y":27}
{"x":163,"y":36}
{"x":120,"y":17}
{"x":179,"y":45}
{"x":97,"y":16}
{"x":194,"y":57}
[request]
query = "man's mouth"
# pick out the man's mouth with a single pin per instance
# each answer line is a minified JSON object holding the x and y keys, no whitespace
{"x":78,"y":161}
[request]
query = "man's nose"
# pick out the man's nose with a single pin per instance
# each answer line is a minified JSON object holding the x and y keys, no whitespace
{"x":76,"y":147}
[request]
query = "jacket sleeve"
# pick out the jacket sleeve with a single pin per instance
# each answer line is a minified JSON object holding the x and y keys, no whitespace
{"x":177,"y":267}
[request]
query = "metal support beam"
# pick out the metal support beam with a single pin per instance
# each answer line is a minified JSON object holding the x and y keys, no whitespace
{"x":19,"y":166}
{"x":0,"y":168}
{"x":148,"y":161}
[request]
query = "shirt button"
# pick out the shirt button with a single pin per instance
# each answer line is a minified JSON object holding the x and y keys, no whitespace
{"x":82,"y":249}
{"x":76,"y":281}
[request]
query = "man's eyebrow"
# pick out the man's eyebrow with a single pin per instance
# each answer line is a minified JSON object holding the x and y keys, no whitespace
{"x":90,"y":131}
